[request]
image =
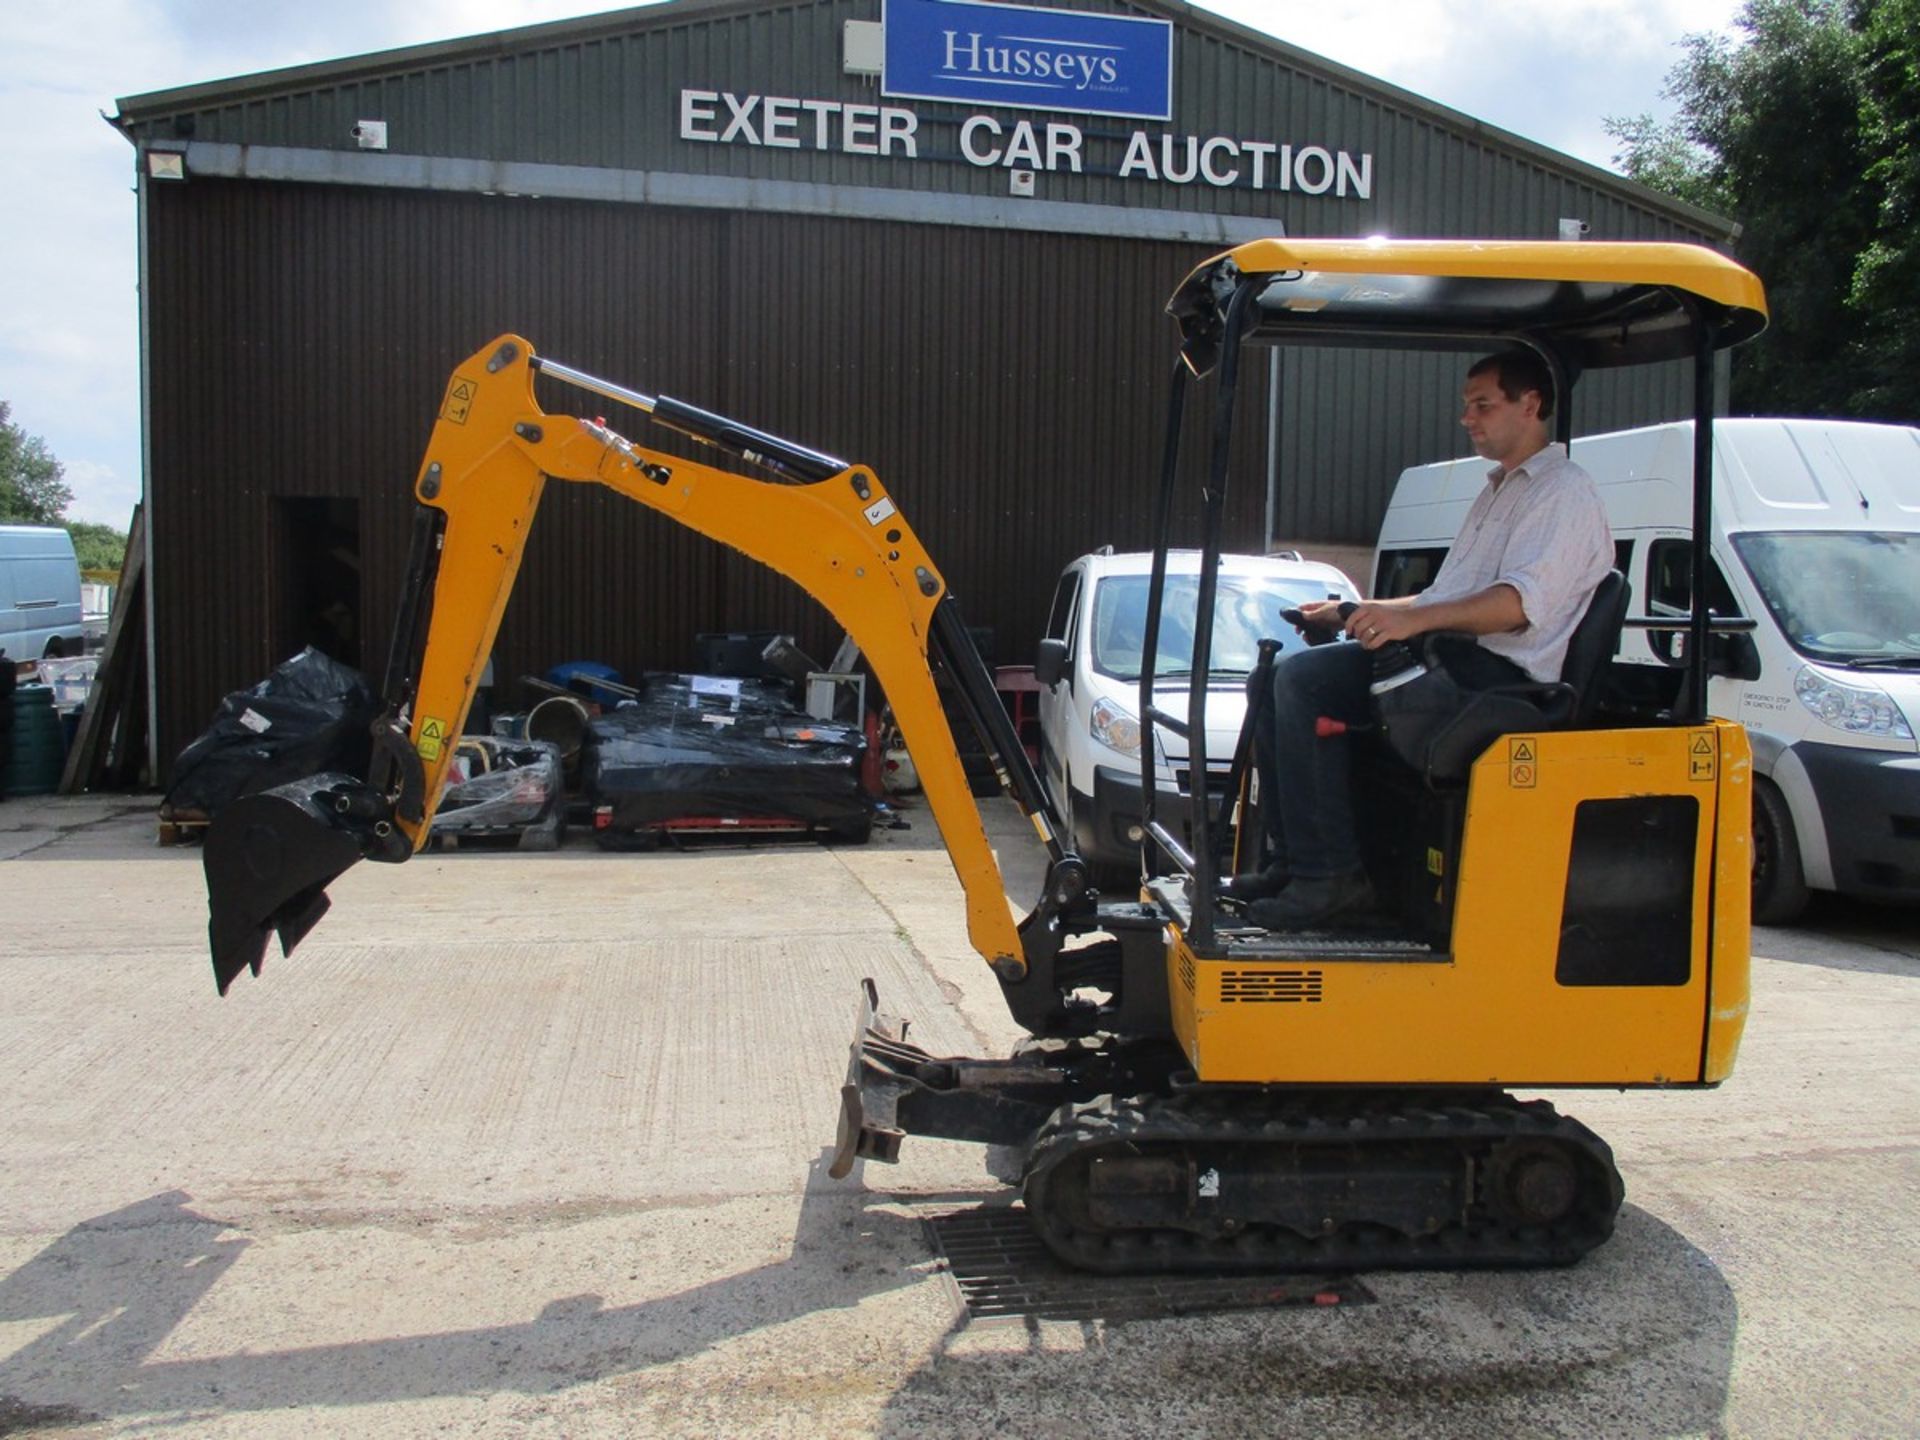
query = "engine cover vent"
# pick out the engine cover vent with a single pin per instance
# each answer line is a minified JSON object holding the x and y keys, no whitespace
{"x":1270,"y":987}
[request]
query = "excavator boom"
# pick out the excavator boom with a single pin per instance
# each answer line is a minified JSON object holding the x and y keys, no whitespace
{"x":829,"y":526}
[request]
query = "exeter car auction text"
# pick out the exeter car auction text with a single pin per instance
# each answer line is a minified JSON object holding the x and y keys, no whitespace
{"x":782,"y":122}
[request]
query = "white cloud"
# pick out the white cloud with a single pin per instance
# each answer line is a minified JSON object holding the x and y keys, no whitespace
{"x":101,"y":496}
{"x":1549,"y":73}
{"x":68,"y":311}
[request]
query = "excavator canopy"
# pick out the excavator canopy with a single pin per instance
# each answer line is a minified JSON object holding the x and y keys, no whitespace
{"x":1593,"y":304}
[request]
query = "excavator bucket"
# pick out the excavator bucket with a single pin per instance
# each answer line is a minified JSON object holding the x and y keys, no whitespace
{"x":270,"y":857}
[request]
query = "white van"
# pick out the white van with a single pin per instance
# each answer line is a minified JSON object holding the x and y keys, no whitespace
{"x":1090,"y":680}
{"x":1817,"y":540}
{"x":39,"y":594}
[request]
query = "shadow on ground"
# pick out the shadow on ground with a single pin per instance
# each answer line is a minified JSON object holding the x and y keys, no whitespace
{"x":1637,"y":1339}
{"x":121,"y":1282}
{"x":1840,"y":933}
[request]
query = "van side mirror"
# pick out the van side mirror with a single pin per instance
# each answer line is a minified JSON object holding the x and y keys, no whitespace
{"x":1734,"y":656}
{"x":1050,"y":664}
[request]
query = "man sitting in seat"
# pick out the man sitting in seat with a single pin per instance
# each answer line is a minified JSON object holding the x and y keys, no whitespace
{"x":1518,"y":578}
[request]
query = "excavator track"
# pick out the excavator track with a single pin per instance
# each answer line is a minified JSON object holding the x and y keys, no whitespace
{"x":1273,"y":1180}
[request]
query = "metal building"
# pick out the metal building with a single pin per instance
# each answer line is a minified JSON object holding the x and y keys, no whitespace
{"x":822,"y":217}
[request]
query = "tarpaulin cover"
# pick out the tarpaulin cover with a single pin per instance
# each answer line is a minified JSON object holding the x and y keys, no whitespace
{"x":498,"y":785}
{"x":699,"y":745}
{"x":311,"y":714}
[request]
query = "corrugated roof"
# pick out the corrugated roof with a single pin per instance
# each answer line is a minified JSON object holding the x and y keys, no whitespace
{"x":145,"y":116}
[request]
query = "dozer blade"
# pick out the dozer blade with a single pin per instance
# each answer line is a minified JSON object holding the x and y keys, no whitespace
{"x":270,"y":857}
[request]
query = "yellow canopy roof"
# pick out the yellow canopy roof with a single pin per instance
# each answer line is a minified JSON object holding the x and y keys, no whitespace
{"x":1594,"y":303}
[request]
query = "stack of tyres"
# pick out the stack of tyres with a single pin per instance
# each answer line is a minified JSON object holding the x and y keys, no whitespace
{"x":39,"y":748}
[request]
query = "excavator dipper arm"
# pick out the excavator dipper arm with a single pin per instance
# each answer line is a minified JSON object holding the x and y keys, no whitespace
{"x":828,"y":526}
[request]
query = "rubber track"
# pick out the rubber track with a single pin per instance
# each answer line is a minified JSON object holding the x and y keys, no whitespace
{"x":1473,"y":1125}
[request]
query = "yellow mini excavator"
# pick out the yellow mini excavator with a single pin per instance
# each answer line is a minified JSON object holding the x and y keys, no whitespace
{"x":1566,"y":874}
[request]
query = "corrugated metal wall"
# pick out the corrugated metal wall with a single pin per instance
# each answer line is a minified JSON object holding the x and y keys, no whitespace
{"x":1007,"y":384}
{"x":1008,"y":388}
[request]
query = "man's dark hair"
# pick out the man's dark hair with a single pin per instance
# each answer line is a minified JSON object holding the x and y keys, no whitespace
{"x":1516,"y":372}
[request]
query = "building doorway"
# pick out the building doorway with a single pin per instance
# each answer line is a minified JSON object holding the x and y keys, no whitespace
{"x":319,"y":591}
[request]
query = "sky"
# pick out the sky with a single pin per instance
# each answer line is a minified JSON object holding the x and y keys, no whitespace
{"x":69,"y":358}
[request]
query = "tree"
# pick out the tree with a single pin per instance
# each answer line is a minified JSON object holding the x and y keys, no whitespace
{"x":1790,"y":129}
{"x":1886,"y":280}
{"x":33,"y":488}
{"x":99,"y":548}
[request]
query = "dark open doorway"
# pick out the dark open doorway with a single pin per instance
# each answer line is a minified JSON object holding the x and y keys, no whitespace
{"x":319,"y":589}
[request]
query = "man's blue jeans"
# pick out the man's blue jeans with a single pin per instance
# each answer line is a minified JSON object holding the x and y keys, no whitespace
{"x":1305,"y":778}
{"x":1309,"y":807}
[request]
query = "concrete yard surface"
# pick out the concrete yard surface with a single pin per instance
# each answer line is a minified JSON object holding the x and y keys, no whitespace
{"x":523,"y":1144}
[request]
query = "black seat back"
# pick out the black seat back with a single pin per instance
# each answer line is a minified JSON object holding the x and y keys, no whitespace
{"x":1595,"y":641}
{"x":1475,"y":719}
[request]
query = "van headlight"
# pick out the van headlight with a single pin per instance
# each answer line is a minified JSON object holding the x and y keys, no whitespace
{"x":1114,"y":727}
{"x":1856,"y":709}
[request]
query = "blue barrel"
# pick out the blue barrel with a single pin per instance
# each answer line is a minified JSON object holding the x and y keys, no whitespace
{"x":39,"y":744}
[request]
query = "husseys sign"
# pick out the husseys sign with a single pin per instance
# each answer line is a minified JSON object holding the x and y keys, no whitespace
{"x":1019,"y":57}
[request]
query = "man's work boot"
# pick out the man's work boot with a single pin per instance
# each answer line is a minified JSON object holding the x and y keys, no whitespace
{"x":1258,"y":884}
{"x":1314,"y":901}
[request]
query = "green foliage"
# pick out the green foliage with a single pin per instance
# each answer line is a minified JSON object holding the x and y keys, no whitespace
{"x":33,"y":488}
{"x":100,"y":548}
{"x":1803,"y":129}
{"x":1663,"y":158}
{"x":1886,"y":281}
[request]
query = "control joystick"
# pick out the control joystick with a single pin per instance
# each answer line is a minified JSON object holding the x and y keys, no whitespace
{"x":1394,"y":664}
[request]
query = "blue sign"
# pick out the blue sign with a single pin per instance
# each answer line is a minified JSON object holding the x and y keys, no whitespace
{"x":1024,"y":56}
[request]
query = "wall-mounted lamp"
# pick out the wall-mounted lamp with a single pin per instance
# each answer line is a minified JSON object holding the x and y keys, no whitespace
{"x":166,"y":165}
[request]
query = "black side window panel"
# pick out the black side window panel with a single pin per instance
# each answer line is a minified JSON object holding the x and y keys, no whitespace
{"x":1668,"y":590}
{"x":1407,"y":572}
{"x":1628,"y":914}
{"x":1058,"y":618}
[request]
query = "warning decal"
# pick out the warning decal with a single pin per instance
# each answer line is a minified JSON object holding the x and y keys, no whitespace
{"x":1700,"y":755}
{"x":433,"y":738}
{"x":1522,"y":767}
{"x":459,"y":400}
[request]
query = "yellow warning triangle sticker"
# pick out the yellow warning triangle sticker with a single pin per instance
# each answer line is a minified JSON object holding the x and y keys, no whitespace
{"x":1522,"y":750}
{"x":433,"y":730}
{"x":1701,"y":746}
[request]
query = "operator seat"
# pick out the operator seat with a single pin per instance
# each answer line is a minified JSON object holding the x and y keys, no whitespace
{"x":1565,"y":704}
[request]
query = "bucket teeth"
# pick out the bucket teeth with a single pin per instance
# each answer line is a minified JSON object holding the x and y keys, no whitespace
{"x":270,"y":857}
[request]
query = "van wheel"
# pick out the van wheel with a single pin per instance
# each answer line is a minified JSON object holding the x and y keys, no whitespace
{"x":1779,"y":884}
{"x":56,"y":649}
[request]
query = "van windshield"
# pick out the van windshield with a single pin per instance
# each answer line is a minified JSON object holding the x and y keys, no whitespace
{"x":1847,"y":597}
{"x":1246,"y":609}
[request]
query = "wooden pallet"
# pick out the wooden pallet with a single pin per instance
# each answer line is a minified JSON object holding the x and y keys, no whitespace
{"x":182,"y":827}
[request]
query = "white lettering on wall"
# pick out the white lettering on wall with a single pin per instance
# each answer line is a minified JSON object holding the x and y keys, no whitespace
{"x":1313,"y":170}
{"x":1139,"y":158}
{"x":1222,"y":161}
{"x":1216,"y":146}
{"x":1063,"y":147}
{"x":971,"y":144}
